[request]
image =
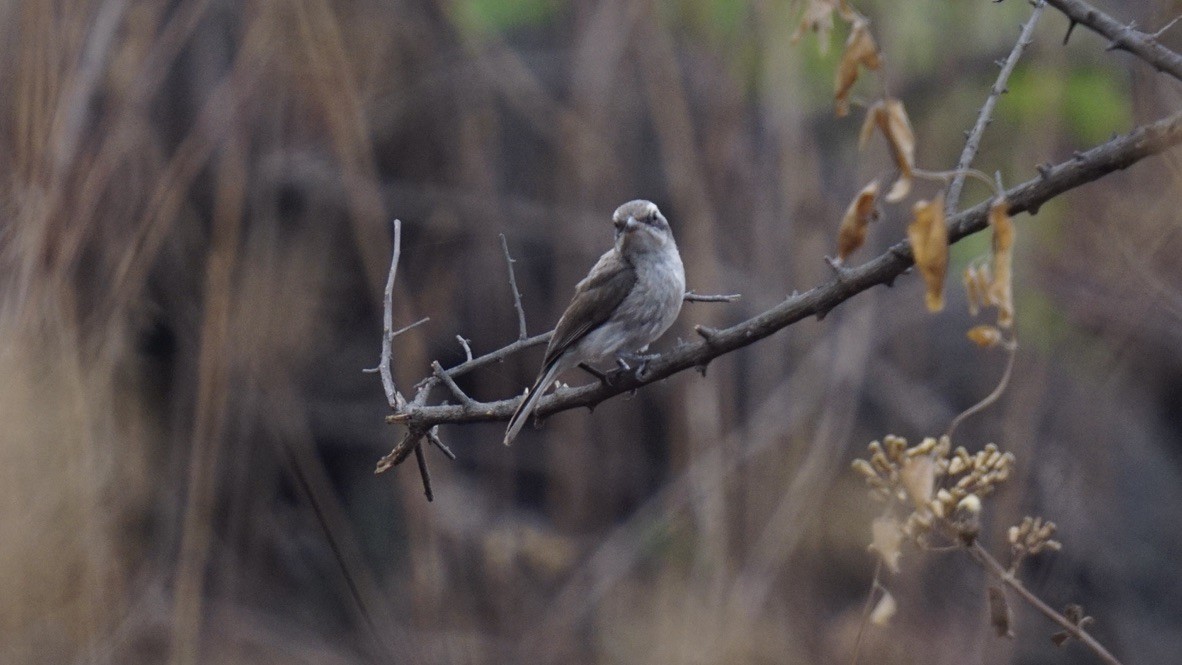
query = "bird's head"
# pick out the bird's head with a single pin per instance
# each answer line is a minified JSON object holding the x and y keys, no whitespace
{"x":640,"y":227}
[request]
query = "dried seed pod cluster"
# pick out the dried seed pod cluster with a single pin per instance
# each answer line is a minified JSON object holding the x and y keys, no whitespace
{"x":942,"y":487}
{"x":1031,"y":537}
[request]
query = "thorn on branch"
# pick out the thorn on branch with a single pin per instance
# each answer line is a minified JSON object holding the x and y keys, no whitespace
{"x":1165,"y":27}
{"x":1044,"y":170}
{"x":702,"y":369}
{"x":839,"y":270}
{"x":1070,"y":29}
{"x":706,"y":332}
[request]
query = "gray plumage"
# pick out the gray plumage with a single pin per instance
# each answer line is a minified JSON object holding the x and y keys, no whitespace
{"x":629,"y":299}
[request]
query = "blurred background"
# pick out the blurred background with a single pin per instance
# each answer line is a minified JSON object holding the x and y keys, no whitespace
{"x":196,"y":203}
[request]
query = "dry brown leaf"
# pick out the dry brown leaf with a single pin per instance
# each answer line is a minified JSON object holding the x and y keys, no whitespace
{"x":861,"y":211}
{"x":818,"y":18}
{"x":928,"y":236}
{"x":887,"y":539}
{"x":1001,"y":291}
{"x":846,"y":11}
{"x":999,"y":612}
{"x":984,"y":336}
{"x":860,"y":50}
{"x":902,"y":141}
{"x":884,"y":609}
{"x":890,"y":116}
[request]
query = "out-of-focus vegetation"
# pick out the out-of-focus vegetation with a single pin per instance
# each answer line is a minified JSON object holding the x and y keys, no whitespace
{"x":196,"y":200}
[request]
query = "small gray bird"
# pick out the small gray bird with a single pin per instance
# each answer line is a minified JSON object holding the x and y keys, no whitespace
{"x":631,"y":296}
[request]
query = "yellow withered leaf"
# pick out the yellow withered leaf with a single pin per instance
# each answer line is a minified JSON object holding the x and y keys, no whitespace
{"x":818,"y":18}
{"x":860,"y":51}
{"x":1001,"y":291}
{"x":890,"y":117}
{"x":984,"y":336}
{"x":861,"y":211}
{"x":928,"y":236}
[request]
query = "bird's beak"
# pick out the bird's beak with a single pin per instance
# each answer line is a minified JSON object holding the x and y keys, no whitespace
{"x":630,"y":224}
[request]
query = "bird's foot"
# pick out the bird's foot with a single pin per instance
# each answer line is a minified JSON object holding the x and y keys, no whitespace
{"x":638,"y":360}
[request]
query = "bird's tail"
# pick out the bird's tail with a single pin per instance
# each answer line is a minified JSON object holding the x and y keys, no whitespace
{"x":521,"y":415}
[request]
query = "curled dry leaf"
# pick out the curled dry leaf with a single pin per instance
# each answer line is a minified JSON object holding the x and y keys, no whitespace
{"x":886,"y":539}
{"x":890,"y":117}
{"x":928,"y":236}
{"x":860,"y":51}
{"x":884,"y":609}
{"x":818,"y":18}
{"x":984,"y":336}
{"x":861,"y":211}
{"x":1001,"y":291}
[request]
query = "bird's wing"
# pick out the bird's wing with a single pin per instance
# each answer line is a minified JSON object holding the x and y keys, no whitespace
{"x":596,"y":297}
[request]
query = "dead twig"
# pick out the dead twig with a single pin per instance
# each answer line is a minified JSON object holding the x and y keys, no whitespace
{"x":983,"y":117}
{"x":1124,"y":37}
{"x":521,"y":333}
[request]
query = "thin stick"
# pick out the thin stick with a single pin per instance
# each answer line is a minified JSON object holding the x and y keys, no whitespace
{"x":416,"y":324}
{"x":690,"y":296}
{"x":394,"y":398}
{"x":982,"y":556}
{"x":992,"y":397}
{"x":983,"y":118}
{"x":466,"y":344}
{"x":521,"y":333}
{"x":433,"y":437}
{"x":874,"y":586}
{"x":426,"y":475}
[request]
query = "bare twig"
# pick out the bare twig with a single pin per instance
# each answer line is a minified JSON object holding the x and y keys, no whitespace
{"x":1123,"y":37}
{"x":991,"y":565}
{"x":393,"y":397}
{"x":875,"y":585}
{"x":467,"y":348}
{"x":433,"y":437}
{"x":426,"y":474}
{"x":455,"y":390}
{"x":521,"y":333}
{"x":690,"y":296}
{"x":416,"y":324}
{"x":983,"y":118}
{"x":992,"y":397}
{"x":396,"y":400}
{"x":1116,"y":154}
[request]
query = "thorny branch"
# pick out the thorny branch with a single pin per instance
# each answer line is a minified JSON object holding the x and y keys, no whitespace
{"x":1083,"y":167}
{"x":1124,"y":37}
{"x":521,"y":333}
{"x":983,"y":118}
